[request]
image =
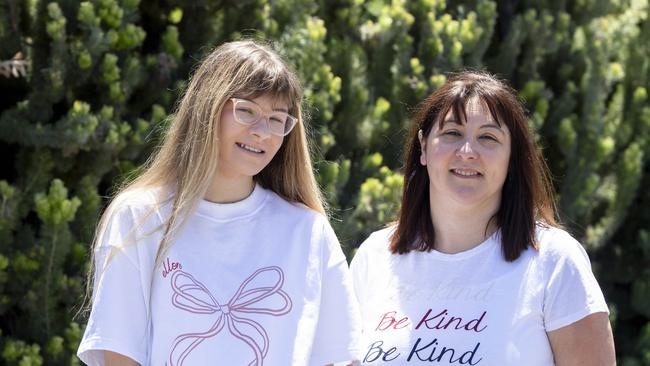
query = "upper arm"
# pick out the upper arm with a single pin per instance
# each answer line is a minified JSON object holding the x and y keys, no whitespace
{"x":588,"y":341}
{"x":116,"y":359}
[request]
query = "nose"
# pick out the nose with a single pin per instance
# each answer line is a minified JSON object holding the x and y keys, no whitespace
{"x":261,"y":128}
{"x":466,"y":151}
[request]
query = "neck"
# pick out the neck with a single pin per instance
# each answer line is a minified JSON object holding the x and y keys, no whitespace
{"x":229,"y":189}
{"x":458,"y":228}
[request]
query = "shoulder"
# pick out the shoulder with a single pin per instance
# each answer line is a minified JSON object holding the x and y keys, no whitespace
{"x":296,"y":220}
{"x":556,"y":243}
{"x":557,"y":247}
{"x":298,"y":213}
{"x":139,"y":199}
{"x":377,"y":243}
{"x":571,"y":290}
{"x":371,"y":261}
{"x":136,"y":208}
{"x":380,"y":239}
{"x":131,"y":218}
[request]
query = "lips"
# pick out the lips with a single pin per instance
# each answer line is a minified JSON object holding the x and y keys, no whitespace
{"x":249,"y":148}
{"x":465,"y":173}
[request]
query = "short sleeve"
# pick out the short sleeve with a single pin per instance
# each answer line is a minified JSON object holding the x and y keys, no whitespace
{"x":359,"y":272}
{"x":339,"y":325}
{"x":118,"y":319}
{"x":572,"y":291}
{"x":368,"y":265}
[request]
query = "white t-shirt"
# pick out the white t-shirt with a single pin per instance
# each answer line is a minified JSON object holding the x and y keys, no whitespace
{"x":256,"y":282}
{"x":473,"y":307}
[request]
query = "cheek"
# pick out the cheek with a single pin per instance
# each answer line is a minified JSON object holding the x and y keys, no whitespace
{"x":439,"y":153}
{"x":437,"y":158}
{"x":228,"y":128}
{"x":276,"y":143}
{"x":500,"y":161}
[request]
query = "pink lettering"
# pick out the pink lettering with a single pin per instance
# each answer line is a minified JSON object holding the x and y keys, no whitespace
{"x":388,"y":320}
{"x":169,"y":267}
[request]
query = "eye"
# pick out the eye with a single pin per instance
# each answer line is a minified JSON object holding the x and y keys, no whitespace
{"x":451,"y":133}
{"x":489,"y":138}
{"x":277,"y":119}
{"x":245,"y":110}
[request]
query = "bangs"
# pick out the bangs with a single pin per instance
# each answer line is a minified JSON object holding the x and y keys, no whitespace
{"x":457,"y":103}
{"x":272,"y":79}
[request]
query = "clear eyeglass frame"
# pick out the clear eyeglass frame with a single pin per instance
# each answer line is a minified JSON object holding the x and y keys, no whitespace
{"x":247,"y":112}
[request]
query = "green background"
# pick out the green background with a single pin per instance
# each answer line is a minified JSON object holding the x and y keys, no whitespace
{"x":103,"y":77}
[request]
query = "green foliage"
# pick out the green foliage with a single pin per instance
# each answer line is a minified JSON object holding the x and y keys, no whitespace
{"x":21,"y":354}
{"x":170,"y":42}
{"x":55,"y":209}
{"x":105,"y":74}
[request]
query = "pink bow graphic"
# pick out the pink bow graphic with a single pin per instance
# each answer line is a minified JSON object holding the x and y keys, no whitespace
{"x":186,"y":288}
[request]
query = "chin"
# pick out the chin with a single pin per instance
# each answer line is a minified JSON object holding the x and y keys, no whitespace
{"x":248,"y":169}
{"x":251,"y":172}
{"x":466,"y":201}
{"x":468,"y":197}
{"x":476,"y":198}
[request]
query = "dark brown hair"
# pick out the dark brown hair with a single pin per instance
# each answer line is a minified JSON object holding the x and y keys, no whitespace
{"x":527,"y":193}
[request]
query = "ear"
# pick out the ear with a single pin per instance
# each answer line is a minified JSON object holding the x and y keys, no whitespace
{"x":423,"y":148}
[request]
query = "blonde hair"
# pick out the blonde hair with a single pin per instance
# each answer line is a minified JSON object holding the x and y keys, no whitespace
{"x":186,"y":161}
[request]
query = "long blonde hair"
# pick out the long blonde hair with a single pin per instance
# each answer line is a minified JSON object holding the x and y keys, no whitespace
{"x":186,"y":161}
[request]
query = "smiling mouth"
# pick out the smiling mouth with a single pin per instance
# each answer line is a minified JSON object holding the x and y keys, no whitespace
{"x":465,"y":172}
{"x":249,"y":148}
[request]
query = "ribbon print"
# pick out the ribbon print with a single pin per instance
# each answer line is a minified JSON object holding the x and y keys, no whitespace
{"x":192,"y":296}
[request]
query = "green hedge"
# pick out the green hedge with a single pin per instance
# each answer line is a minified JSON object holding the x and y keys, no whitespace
{"x":87,"y":87}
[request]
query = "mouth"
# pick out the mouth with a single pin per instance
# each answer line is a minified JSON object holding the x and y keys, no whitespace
{"x":249,"y":148}
{"x":466,"y":173}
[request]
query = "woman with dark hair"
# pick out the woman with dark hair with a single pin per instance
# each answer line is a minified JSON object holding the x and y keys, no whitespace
{"x":476,"y":270}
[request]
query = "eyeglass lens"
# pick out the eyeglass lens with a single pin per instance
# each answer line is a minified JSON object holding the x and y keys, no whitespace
{"x":246,"y":112}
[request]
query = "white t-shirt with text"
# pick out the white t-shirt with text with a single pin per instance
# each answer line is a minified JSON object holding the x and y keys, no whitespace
{"x":473,"y":307}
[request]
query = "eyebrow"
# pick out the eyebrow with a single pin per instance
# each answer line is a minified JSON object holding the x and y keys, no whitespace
{"x":491,"y":125}
{"x":275,"y":109}
{"x":494,"y":126}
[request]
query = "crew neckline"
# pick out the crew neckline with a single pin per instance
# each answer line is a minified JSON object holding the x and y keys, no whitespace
{"x":234,"y":210}
{"x":491,"y":242}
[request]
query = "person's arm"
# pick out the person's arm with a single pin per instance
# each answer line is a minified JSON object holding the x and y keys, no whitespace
{"x":116,"y":359}
{"x":588,"y":341}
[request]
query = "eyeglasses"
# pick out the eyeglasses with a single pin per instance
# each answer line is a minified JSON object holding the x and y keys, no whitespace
{"x":249,"y":113}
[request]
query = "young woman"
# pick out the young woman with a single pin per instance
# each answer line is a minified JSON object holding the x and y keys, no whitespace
{"x":476,"y":271}
{"x":220,"y":252}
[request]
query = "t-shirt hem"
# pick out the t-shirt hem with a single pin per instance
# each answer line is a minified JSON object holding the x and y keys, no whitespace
{"x":88,"y":348}
{"x":574,"y":317}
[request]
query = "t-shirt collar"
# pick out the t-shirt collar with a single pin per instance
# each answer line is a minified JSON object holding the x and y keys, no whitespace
{"x":230,"y":211}
{"x":491,"y":242}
